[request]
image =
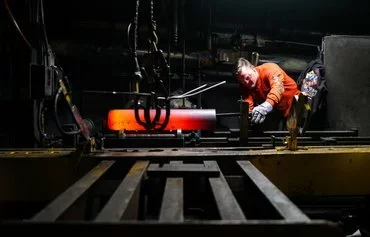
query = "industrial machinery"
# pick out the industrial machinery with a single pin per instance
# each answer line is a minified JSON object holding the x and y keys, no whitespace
{"x":167,"y":146}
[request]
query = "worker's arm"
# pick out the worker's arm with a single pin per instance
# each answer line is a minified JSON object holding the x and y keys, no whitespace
{"x":276,"y":80}
{"x":275,"y":76}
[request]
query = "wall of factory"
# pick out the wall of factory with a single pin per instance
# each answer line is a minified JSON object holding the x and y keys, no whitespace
{"x":90,"y":41}
{"x":348,"y":75}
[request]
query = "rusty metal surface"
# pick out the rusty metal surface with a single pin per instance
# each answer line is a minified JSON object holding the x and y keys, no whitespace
{"x":182,"y":170}
{"x":243,"y":122}
{"x":227,"y":205}
{"x":213,"y":152}
{"x":124,"y":202}
{"x":183,"y":152}
{"x":59,"y":205}
{"x":40,"y":178}
{"x":287,"y":209}
{"x":308,"y":165}
{"x":172,"y":208}
{"x":126,"y":195}
{"x":35,"y":153}
{"x":317,"y":171}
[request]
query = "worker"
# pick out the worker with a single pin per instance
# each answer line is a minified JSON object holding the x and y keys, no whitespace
{"x":267,"y":88}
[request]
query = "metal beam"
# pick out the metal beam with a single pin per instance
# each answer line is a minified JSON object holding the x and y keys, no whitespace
{"x":279,"y":201}
{"x":125,"y":197}
{"x":227,"y":204}
{"x":182,"y":170}
{"x":313,"y":133}
{"x":172,"y":208}
{"x":65,"y":200}
{"x":212,"y":153}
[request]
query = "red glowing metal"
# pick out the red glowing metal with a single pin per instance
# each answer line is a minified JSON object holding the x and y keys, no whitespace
{"x":184,"y":119}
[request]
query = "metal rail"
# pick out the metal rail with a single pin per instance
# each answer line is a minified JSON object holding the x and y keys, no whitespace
{"x":172,"y":207}
{"x":125,"y":198}
{"x":279,"y":201}
{"x":135,"y":207}
{"x":227,"y":205}
{"x":64,"y":201}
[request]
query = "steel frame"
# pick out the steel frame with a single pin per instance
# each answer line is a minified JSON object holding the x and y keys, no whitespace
{"x":123,"y":212}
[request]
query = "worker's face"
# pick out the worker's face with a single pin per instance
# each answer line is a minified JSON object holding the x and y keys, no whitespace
{"x":248,"y":77}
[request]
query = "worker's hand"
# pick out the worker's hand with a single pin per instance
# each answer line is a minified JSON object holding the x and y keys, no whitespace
{"x":259,"y":112}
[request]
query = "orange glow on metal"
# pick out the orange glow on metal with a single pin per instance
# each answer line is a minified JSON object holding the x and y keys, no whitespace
{"x":184,"y":119}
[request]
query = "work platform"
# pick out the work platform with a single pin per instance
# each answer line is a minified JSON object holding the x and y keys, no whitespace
{"x":179,"y":190}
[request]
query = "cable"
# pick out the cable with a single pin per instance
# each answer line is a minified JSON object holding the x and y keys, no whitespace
{"x":45,"y":35}
{"x":128,"y":37}
{"x":16,"y":24}
{"x":153,"y":39}
{"x":137,"y":73}
{"x":152,"y":99}
{"x":43,"y":22}
{"x":60,"y":90}
{"x":136,"y":20}
{"x":40,"y":119}
{"x":49,"y":142}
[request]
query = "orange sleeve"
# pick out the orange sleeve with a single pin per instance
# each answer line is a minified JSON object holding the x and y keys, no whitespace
{"x":276,"y":79}
{"x":250,"y":101}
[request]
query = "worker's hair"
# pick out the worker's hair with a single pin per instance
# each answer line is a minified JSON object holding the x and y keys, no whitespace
{"x":239,"y":64}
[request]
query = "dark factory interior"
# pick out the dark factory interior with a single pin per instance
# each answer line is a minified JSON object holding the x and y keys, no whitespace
{"x":131,"y":117}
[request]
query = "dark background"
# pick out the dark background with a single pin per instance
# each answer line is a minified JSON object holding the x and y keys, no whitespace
{"x":89,"y":39}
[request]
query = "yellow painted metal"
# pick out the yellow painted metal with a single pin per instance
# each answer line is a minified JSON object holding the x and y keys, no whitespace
{"x":317,"y":171}
{"x":36,"y":153}
{"x":38,"y":174}
{"x":308,"y":171}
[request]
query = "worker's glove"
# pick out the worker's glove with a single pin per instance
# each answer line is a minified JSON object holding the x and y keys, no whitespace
{"x":259,"y":112}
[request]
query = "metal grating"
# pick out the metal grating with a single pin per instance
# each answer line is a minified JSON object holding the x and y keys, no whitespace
{"x":131,"y":209}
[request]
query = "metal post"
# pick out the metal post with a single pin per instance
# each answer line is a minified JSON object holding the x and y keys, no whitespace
{"x":244,"y":112}
{"x":199,"y":101}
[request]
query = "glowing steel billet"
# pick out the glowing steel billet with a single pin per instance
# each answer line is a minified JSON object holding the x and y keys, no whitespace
{"x":184,"y":119}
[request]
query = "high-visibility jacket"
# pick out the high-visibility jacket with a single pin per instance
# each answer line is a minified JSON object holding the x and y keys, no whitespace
{"x":274,"y":86}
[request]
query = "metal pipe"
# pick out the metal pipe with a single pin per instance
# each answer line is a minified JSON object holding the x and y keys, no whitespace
{"x":169,"y":65}
{"x":175,"y":22}
{"x":199,"y":83}
{"x":209,"y":33}
{"x":182,"y":21}
{"x":183,"y":71}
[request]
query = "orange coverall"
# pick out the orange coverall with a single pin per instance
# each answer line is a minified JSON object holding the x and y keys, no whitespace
{"x":274,"y":86}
